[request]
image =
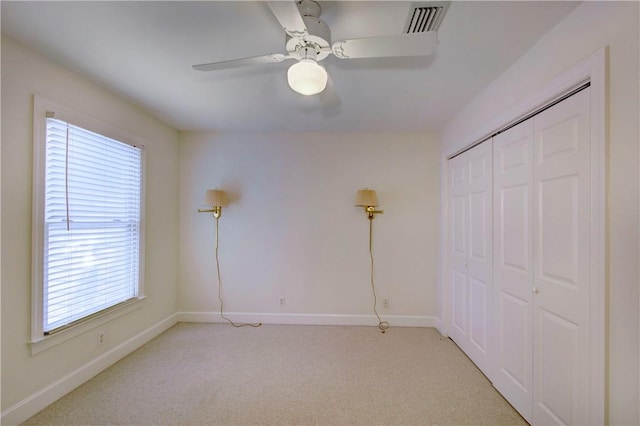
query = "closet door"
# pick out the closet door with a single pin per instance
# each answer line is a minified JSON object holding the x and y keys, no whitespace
{"x":458,"y":206}
{"x":561,"y":316}
{"x":471,"y":265}
{"x":513,"y":266}
{"x":541,"y":268}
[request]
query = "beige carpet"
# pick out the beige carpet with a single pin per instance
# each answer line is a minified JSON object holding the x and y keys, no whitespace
{"x":205,"y":374}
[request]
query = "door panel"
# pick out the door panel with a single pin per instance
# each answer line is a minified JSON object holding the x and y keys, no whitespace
{"x":558,"y":229}
{"x":458,"y":190}
{"x":513,"y":257}
{"x":471,"y":251}
{"x":478,"y":314}
{"x":514,"y":237}
{"x":514,"y":357}
{"x":458,"y":225}
{"x":478,"y":217}
{"x":561,"y":274}
{"x":459,"y":281}
{"x":479,"y":260}
{"x":556,"y":374}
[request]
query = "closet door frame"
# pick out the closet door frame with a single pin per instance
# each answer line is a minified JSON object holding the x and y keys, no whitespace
{"x":593,"y":71}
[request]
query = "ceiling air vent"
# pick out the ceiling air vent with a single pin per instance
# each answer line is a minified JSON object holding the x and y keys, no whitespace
{"x":426,"y":16}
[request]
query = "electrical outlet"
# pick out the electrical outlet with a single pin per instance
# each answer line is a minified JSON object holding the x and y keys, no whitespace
{"x":101,"y":338}
{"x":385,"y":303}
{"x":283,"y":301}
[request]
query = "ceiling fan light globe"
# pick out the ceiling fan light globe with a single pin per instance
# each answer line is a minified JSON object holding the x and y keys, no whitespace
{"x":307,"y":77}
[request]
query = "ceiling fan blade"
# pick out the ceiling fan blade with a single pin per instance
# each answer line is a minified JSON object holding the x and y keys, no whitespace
{"x":236,"y":63}
{"x":412,"y":44}
{"x":287,"y":13}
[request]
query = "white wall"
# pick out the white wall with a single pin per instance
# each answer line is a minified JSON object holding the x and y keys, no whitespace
{"x":591,"y":26}
{"x":292,"y":230}
{"x":23,"y":75}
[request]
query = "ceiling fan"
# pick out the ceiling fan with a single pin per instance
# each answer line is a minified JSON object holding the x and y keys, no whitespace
{"x":308,"y":41}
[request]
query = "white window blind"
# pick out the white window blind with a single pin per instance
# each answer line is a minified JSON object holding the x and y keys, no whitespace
{"x":92,"y":213}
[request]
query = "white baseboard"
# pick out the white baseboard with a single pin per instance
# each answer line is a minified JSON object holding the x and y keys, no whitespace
{"x":31,"y":405}
{"x":437,"y":323}
{"x":310,"y":319}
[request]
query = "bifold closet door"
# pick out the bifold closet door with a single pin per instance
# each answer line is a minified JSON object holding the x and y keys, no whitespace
{"x":471,"y":265}
{"x":513,"y":266}
{"x":541,"y":267}
{"x":561,"y":273}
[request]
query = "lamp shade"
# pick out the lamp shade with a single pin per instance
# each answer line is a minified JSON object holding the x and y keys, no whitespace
{"x":215,"y":198}
{"x":307,"y":77}
{"x":366,"y":197}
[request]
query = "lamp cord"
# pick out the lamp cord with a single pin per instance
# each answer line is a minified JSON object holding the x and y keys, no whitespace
{"x":220,"y":289}
{"x":382,"y":325}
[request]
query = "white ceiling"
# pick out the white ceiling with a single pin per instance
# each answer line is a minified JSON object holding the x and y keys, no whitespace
{"x":144,"y":52}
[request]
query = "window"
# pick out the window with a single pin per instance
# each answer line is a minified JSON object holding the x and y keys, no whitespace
{"x":87,"y":219}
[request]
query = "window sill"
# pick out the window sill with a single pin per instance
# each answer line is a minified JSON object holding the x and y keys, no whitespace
{"x":43,"y":343}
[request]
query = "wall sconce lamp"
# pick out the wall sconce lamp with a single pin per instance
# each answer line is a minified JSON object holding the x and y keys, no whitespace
{"x":216,"y":199}
{"x":367,"y":198}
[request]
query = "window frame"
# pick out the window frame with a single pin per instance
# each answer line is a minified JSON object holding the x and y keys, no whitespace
{"x":41,"y":108}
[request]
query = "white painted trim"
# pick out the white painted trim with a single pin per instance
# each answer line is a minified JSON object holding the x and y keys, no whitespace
{"x":592,"y":69}
{"x":309,"y":319}
{"x":597,"y":68}
{"x":1,"y":240}
{"x":443,"y":292}
{"x":438,"y":325}
{"x":564,"y":83}
{"x":45,"y":342}
{"x":31,"y":405}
